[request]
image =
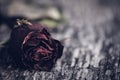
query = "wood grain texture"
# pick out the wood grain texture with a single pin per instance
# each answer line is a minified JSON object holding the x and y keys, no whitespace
{"x":91,"y":53}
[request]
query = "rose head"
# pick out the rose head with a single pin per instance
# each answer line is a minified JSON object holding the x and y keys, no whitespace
{"x":32,"y":47}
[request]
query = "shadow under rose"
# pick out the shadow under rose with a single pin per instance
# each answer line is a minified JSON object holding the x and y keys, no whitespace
{"x":5,"y":58}
{"x":7,"y":62}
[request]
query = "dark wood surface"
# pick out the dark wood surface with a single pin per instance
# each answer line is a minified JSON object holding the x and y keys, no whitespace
{"x":92,"y":50}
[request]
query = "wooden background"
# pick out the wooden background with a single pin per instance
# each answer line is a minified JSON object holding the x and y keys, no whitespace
{"x":92,"y":50}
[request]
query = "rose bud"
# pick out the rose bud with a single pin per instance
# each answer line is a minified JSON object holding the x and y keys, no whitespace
{"x":32,"y":47}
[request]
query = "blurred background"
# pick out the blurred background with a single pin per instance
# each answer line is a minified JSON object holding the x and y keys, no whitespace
{"x":91,"y":29}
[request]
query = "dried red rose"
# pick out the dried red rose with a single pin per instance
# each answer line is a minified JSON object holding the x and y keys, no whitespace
{"x":32,"y":47}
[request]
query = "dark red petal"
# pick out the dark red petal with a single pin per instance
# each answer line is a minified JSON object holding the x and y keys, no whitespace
{"x":45,"y":31}
{"x":59,"y":48}
{"x":50,"y":48}
{"x":35,"y":26}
